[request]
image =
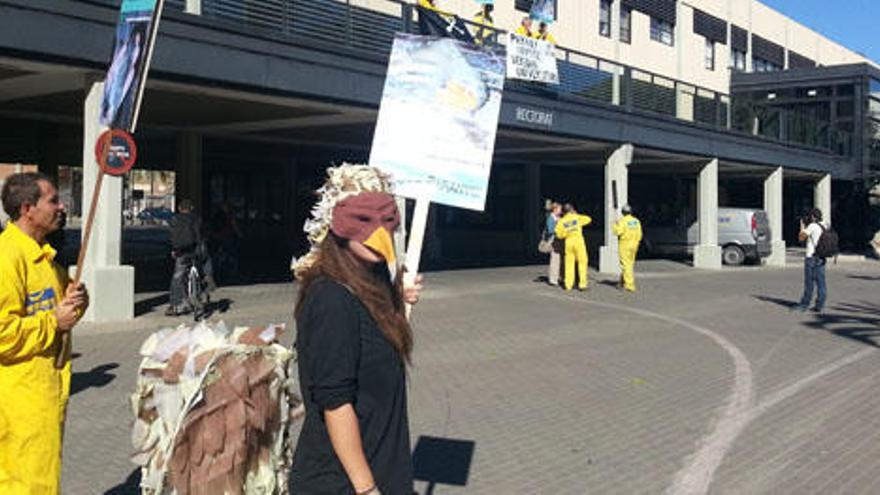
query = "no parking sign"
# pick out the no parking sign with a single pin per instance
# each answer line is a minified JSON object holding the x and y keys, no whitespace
{"x":115,"y":152}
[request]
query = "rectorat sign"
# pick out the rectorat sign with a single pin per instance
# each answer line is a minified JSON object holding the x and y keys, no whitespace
{"x":536,"y":117}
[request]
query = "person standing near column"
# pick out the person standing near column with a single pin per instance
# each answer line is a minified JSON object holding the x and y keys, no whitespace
{"x":811,"y":231}
{"x":37,"y":305}
{"x":553,"y":215}
{"x":570,"y":229}
{"x":628,"y":230}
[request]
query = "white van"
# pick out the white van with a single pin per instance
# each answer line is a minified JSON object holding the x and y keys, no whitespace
{"x":743,"y":234}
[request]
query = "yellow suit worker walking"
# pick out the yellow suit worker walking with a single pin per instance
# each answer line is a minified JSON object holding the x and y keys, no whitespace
{"x":570,"y":228}
{"x":629,"y":234}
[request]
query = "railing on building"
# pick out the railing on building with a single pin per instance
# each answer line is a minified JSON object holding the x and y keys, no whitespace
{"x":367,"y":28}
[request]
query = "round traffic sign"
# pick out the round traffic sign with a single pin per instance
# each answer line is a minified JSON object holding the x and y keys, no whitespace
{"x":115,"y":151}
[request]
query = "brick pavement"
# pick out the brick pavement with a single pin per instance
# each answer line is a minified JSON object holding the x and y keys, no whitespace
{"x":586,"y":393}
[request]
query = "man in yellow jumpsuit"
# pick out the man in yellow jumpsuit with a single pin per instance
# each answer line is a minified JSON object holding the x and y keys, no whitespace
{"x":36,"y":307}
{"x":628,"y":230}
{"x":570,"y":228}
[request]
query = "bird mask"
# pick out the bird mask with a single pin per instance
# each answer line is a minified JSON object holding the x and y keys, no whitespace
{"x":371,"y":219}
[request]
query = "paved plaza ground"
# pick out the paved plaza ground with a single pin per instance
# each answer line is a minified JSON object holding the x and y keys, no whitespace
{"x":702,"y":382}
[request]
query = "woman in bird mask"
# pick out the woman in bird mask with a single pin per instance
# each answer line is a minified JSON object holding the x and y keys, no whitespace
{"x":353,"y":342}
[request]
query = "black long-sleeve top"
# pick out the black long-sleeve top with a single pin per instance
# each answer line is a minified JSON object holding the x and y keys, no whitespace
{"x":343,"y":357}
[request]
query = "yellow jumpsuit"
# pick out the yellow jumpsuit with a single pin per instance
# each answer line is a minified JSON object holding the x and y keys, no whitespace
{"x":629,"y":233}
{"x":546,"y":37}
{"x":570,"y":228}
{"x":34,"y":393}
{"x":522,"y":31}
{"x":483,"y":22}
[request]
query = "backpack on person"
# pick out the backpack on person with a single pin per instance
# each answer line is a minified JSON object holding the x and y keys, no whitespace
{"x":828,"y":245}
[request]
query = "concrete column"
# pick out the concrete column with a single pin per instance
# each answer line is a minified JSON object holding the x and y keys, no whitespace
{"x":684,"y":102}
{"x":822,"y":197}
{"x":111,"y":286}
{"x":193,"y":7}
{"x":615,"y":36}
{"x":773,"y":207}
{"x":616,"y":171}
{"x":707,"y":254}
{"x":189,"y":181}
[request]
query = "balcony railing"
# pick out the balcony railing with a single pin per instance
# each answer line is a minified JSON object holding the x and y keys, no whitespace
{"x":367,"y":28}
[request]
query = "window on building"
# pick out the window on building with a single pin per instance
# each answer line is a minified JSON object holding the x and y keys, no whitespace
{"x":662,"y":31}
{"x":709,"y":57}
{"x":625,"y":25}
{"x":737,"y":60}
{"x":605,"y":18}
{"x":761,"y":65}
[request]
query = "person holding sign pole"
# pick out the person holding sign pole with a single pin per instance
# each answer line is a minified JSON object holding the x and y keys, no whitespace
{"x":37,"y":306}
{"x":628,"y":230}
{"x":353,"y":342}
{"x":570,"y":229}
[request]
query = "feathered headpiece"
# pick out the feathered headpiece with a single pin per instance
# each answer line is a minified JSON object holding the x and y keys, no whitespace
{"x":343,"y":181}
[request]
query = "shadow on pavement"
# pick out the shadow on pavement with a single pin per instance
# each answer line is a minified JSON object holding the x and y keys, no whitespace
{"x":869,"y":278}
{"x":129,"y":486}
{"x":442,"y":461}
{"x":148,"y":305}
{"x":97,"y":378}
{"x":220,"y":306}
{"x":785,"y":303}
{"x":856,"y":321}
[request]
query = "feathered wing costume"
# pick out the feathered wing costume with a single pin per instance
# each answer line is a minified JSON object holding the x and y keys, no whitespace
{"x":212,"y":411}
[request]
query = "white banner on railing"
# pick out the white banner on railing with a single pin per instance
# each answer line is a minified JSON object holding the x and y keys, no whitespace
{"x":531,"y":60}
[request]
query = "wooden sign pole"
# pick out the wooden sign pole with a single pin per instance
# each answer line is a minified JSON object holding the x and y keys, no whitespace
{"x":65,"y":346}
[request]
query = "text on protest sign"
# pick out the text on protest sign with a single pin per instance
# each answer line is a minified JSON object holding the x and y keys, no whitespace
{"x":531,"y":60}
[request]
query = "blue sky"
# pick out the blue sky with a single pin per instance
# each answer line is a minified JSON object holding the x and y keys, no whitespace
{"x":852,"y":23}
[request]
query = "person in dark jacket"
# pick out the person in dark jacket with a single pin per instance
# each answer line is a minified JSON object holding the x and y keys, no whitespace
{"x":187,"y":248}
{"x":353,"y":343}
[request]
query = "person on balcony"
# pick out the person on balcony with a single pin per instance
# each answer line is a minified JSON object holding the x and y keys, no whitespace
{"x":544,"y":34}
{"x":525,"y":27}
{"x":431,"y":5}
{"x":485,"y":24}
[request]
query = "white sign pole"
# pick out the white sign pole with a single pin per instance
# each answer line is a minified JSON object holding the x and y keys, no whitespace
{"x":414,"y":248}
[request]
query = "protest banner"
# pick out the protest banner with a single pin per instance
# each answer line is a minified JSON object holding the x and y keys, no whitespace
{"x":543,"y":11}
{"x":530,"y":59}
{"x":120,"y":106}
{"x":437,"y":122}
{"x":127,"y":74}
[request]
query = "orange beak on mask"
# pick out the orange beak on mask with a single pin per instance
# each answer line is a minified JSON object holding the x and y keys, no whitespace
{"x":368,"y":218}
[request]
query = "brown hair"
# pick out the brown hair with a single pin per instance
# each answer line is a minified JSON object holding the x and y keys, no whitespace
{"x":382,"y":298}
{"x":20,"y":189}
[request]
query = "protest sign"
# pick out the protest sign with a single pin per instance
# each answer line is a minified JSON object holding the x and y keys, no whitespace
{"x":438,"y":118}
{"x":132,"y":50}
{"x":436,"y":128}
{"x":120,"y":104}
{"x":543,"y":11}
{"x":530,"y":59}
